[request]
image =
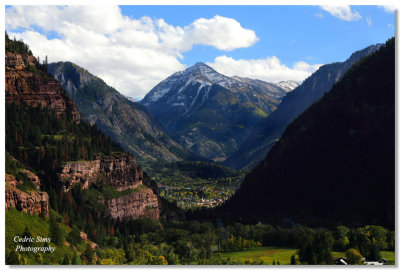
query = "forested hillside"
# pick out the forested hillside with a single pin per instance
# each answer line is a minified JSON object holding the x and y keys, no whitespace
{"x":335,"y":161}
{"x":264,"y":135}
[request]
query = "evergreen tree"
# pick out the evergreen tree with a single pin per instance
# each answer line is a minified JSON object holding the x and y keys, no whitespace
{"x":45,"y":64}
{"x":12,"y":258}
{"x":293,"y":260}
{"x":65,"y":260}
{"x":375,"y":254}
{"x":27,"y":234}
{"x":55,"y":232}
{"x":76,"y":260}
{"x":74,"y":236}
{"x":89,"y":254}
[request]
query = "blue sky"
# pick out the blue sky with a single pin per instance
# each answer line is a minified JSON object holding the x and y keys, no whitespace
{"x":290,"y":32}
{"x":134,"y":47}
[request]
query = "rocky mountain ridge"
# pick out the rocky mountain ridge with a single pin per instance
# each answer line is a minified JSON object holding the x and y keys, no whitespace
{"x":287,"y":85}
{"x":206,"y":76}
{"x":208,"y":112}
{"x":126,"y":121}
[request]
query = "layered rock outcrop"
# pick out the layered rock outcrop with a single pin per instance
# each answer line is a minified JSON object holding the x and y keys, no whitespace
{"x":25,"y":84}
{"x":139,"y":204}
{"x":120,"y":171}
{"x":33,"y":202}
{"x":32,"y":177}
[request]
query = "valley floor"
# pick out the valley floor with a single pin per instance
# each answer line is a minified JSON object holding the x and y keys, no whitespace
{"x":282,"y":255}
{"x":195,"y":184}
{"x":265,"y":254}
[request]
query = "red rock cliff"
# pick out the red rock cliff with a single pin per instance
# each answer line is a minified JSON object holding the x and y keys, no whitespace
{"x":121,"y":172}
{"x":33,"y":202}
{"x":23,"y":85}
{"x":139,"y":204}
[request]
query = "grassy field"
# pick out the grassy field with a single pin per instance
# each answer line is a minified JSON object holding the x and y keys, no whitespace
{"x":269,"y":254}
{"x":389,"y":255}
{"x":15,"y":226}
{"x":266,"y":254}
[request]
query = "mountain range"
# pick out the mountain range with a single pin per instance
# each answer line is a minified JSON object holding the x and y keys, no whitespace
{"x":209,"y":113}
{"x":127,"y":122}
{"x":268,"y":131}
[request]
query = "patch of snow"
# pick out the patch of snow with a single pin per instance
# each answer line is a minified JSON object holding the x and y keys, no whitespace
{"x":130,"y":98}
{"x":156,"y":95}
{"x":178,"y":104}
{"x":197,"y":95}
{"x":287,"y":85}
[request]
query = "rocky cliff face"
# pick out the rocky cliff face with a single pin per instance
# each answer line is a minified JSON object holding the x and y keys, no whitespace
{"x":141,"y":204}
{"x":33,"y":202}
{"x":120,"y":171}
{"x":26,"y":84}
{"x":32,"y":177}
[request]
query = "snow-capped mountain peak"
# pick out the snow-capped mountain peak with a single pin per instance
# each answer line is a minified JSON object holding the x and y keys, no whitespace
{"x":202,"y":77}
{"x":198,"y":73}
{"x":199,"y":104}
{"x":287,"y":85}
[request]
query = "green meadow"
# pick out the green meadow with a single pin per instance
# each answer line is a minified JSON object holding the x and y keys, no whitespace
{"x":15,"y":226}
{"x":266,"y":254}
{"x":269,"y":254}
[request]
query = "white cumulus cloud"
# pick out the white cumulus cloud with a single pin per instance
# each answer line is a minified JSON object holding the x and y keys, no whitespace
{"x":220,"y":32}
{"x":130,"y":54}
{"x":268,"y":69}
{"x":388,"y":8}
{"x":342,"y":12}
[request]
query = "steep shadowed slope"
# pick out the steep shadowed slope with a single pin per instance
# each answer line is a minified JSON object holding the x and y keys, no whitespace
{"x":268,"y":131}
{"x":336,"y":160}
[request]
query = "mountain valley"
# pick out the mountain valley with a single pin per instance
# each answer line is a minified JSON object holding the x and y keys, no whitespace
{"x":206,"y":169}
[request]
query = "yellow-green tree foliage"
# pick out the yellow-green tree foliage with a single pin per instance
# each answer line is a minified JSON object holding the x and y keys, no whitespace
{"x":353,"y":256}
